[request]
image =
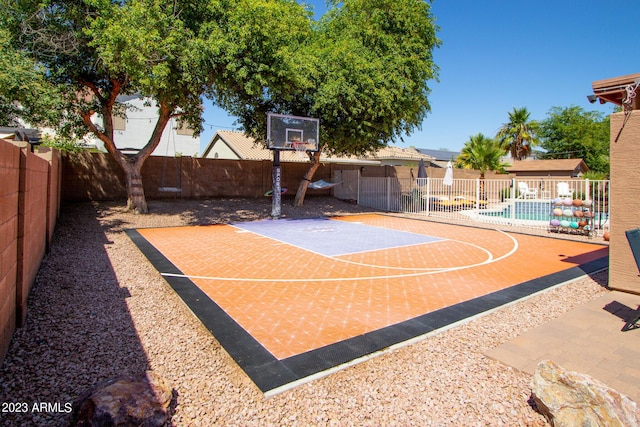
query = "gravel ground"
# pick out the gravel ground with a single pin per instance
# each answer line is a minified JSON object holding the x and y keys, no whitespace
{"x":98,"y":309}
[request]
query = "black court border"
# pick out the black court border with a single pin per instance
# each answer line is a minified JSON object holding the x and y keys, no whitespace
{"x":269,"y":373}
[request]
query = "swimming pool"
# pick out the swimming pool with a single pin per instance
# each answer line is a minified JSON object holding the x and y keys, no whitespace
{"x":526,"y":210}
{"x":535,"y":211}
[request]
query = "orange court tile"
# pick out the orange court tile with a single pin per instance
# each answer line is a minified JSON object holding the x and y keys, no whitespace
{"x":293,"y":301}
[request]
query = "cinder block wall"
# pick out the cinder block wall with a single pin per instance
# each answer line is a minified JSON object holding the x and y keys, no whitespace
{"x":91,"y":176}
{"x":54,"y":181}
{"x":624,"y":199}
{"x":96,"y":176}
{"x":29,"y":209}
{"x":9,"y":191}
{"x":32,"y":226}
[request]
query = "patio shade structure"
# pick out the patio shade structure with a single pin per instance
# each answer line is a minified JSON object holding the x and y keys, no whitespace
{"x":422,"y":170}
{"x":422,"y":174}
{"x":618,"y":90}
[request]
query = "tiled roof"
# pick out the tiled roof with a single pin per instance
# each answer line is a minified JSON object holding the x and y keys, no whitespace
{"x":246,"y":148}
{"x":399,"y":153}
{"x":548,"y":165}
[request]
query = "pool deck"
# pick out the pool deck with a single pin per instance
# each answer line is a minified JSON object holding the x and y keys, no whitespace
{"x":588,"y":339}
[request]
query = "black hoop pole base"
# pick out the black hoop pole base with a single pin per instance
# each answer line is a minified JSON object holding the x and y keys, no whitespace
{"x":276,"y":195}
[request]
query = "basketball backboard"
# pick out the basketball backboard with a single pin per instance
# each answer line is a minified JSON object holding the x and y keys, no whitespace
{"x":286,"y":132}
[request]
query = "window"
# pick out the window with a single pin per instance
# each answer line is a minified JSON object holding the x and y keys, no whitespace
{"x":119,"y":123}
{"x":183,"y":129}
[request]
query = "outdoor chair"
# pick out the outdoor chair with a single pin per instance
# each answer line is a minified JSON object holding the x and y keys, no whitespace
{"x":526,"y":192}
{"x":633,"y":236}
{"x":564,"y":190}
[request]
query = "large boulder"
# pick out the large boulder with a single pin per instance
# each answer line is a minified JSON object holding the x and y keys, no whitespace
{"x":571,"y":399}
{"x":124,"y":401}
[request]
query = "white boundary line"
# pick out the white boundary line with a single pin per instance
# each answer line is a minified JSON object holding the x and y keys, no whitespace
{"x":340,"y":279}
{"x":435,"y":269}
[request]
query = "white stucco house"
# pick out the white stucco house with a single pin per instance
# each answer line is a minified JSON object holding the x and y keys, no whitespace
{"x":133,"y":132}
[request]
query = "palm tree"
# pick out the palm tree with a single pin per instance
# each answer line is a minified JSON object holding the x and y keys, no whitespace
{"x":483,"y":154}
{"x":519,"y":134}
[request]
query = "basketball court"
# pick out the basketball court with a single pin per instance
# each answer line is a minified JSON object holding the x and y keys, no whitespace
{"x":292,"y":300}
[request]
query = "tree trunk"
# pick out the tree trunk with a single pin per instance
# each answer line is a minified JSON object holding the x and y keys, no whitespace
{"x":132,"y":166}
{"x":304,"y":184}
{"x":136,"y":200}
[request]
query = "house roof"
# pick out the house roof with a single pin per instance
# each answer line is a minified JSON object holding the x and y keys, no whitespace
{"x":246,"y":148}
{"x":397,"y":153}
{"x":440,"y":155}
{"x":553,"y":165}
{"x":125,"y":98}
{"x":614,"y":90}
{"x":20,"y":134}
{"x":241,"y":145}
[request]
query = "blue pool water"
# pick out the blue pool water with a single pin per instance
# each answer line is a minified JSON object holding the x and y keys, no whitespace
{"x":536,"y":211}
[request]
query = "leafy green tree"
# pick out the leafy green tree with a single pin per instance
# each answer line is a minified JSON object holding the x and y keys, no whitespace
{"x":483,"y":154}
{"x":24,"y":90}
{"x":364,"y":72}
{"x":572,"y":132}
{"x":96,"y":50}
{"x":518,"y":135}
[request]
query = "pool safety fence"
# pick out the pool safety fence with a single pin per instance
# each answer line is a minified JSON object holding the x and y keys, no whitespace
{"x":528,"y":203}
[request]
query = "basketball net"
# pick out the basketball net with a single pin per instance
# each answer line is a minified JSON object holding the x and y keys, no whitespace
{"x":300,"y":149}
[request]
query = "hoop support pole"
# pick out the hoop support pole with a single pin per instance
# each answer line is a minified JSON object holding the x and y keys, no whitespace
{"x":276,"y":195}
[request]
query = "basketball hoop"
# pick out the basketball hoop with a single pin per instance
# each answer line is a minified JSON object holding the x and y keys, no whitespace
{"x":289,"y":133}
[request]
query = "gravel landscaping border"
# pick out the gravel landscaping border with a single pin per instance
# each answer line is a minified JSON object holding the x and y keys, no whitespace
{"x":98,"y":310}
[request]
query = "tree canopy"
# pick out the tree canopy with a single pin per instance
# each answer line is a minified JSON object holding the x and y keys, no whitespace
{"x":518,"y":136}
{"x":481,"y":153}
{"x":364,"y":70}
{"x":24,"y":89}
{"x":376,"y":64}
{"x":169,"y":52}
{"x":572,"y":132}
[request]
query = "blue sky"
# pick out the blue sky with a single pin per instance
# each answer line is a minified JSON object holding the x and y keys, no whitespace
{"x":500,"y":54}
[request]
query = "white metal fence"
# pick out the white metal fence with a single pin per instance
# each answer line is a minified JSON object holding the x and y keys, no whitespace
{"x":550,"y":205}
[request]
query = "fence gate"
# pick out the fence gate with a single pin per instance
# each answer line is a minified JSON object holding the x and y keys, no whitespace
{"x":348,"y":190}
